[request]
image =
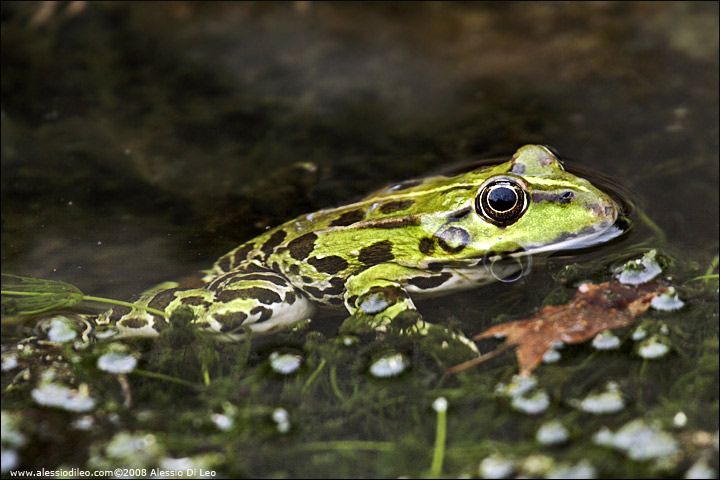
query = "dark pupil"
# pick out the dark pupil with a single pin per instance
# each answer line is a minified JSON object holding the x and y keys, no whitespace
{"x":502,"y":199}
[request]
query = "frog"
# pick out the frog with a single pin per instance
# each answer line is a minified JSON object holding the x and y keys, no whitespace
{"x":378,"y":255}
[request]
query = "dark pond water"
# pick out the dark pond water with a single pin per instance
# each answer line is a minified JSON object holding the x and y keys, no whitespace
{"x":141,"y":142}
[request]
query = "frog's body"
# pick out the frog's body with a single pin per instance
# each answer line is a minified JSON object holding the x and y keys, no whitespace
{"x":416,"y":238}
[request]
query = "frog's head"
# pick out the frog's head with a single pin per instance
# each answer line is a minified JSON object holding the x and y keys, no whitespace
{"x":527,"y":205}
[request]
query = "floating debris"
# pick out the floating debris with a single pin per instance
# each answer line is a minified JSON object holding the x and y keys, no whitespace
{"x":9,"y":459}
{"x":496,"y":466}
{"x":606,"y":341}
{"x":582,"y":469}
{"x":202,"y":463}
{"x":139,"y":449}
{"x":640,"y":270}
{"x":639,"y":333}
{"x":9,"y":362}
{"x":639,"y":441}
{"x":701,"y":469}
{"x":594,"y":309}
{"x":61,"y":330}
{"x":667,"y":301}
{"x":57,"y":395}
{"x":117,"y":360}
{"x":10,"y":434}
{"x":519,"y":385}
{"x":535,"y":465}
{"x":349,"y":340}
{"x":680,"y":419}
{"x":524,"y":395}
{"x":552,"y":433}
{"x":83,"y":423}
{"x":551,"y":356}
{"x":609,"y":401}
{"x":281,"y":417}
{"x":533,"y":403}
{"x":389,"y":365}
{"x":440,"y":405}
{"x":285,"y":363}
{"x":221,"y":421}
{"x":654,"y":347}
{"x":11,"y":439}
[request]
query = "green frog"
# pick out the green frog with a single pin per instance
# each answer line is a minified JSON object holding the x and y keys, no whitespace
{"x":413,"y":239}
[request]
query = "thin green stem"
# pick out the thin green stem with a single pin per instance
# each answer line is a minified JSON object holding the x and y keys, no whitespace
{"x":314,"y":375}
{"x":84,"y":298}
{"x":161,"y":376}
{"x":440,"y":435}
{"x":334,"y":384}
{"x":351,"y":445}
{"x":125,"y":304}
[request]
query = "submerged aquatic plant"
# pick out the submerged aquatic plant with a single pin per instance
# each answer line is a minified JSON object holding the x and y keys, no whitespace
{"x":24,"y":296}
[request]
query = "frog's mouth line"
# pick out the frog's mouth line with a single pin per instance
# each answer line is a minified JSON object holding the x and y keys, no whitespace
{"x":581,"y":240}
{"x":587,"y":238}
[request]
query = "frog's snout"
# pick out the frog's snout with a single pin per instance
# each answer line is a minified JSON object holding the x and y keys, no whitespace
{"x":605,"y":209}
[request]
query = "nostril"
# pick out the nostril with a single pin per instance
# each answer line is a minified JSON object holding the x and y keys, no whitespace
{"x":566,"y":197}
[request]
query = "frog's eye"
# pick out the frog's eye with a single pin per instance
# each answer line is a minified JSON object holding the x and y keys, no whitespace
{"x":502,"y":202}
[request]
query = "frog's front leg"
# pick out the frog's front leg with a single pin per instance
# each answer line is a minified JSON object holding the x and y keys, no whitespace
{"x":372,"y":293}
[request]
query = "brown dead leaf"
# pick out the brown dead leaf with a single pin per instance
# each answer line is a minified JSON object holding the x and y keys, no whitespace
{"x":595,"y":308}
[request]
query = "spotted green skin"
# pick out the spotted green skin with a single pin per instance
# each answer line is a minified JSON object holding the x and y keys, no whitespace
{"x":416,"y":238}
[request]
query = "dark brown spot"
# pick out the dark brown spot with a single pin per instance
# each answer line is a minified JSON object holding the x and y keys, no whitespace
{"x":263,"y":295}
{"x":289,"y":298}
{"x":430,"y":282}
{"x":272,"y":242}
{"x":338,"y":286}
{"x":195,"y":301}
{"x":388,"y":223}
{"x":331,"y":264}
{"x":225,"y":262}
{"x":562,"y":198}
{"x":294,"y":269}
{"x":435,"y":266}
{"x":426,"y":245}
{"x":250,"y":268}
{"x":396,"y":206}
{"x":240,"y":254}
{"x":219,"y":280}
{"x":302,"y":246}
{"x":162,"y":299}
{"x":313,"y":291}
{"x":118,"y":312}
{"x":259,"y":276}
{"x":230,"y":321}
{"x":459,"y":214}
{"x":391,"y":295}
{"x":348,"y":218}
{"x":453,"y":239}
{"x":265,"y":313}
{"x":335,"y":301}
{"x":306,"y":279}
{"x":376,"y":253}
{"x":134,"y":322}
{"x":160,"y":323}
